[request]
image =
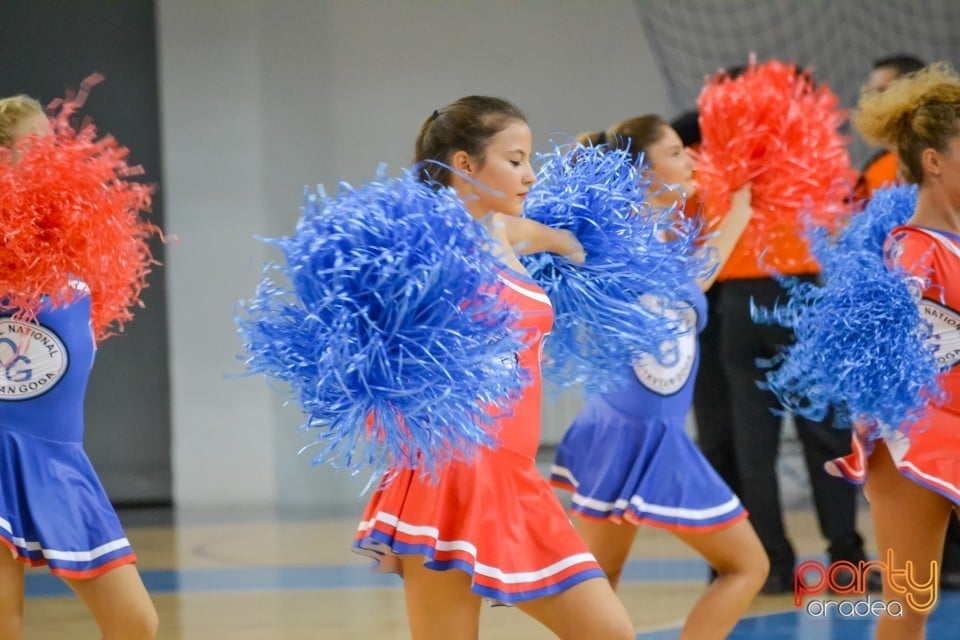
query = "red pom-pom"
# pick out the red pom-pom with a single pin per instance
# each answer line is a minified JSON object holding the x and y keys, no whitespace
{"x":772,"y":127}
{"x":69,"y":211}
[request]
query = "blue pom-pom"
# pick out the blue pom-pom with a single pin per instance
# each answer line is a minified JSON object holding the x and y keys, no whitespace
{"x":860,"y":340}
{"x":887,"y":209}
{"x":390,"y":332}
{"x":632,"y":249}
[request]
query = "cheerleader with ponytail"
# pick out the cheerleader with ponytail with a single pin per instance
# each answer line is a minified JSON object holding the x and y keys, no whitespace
{"x":632,"y":249}
{"x":627,"y":458}
{"x":492,"y":527}
{"x":74,"y":259}
{"x":412,"y":336}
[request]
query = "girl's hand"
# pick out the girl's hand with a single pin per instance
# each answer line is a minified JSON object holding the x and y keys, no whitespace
{"x":528,"y":236}
{"x":573,"y":250}
{"x":731,"y":227}
{"x":740,"y":199}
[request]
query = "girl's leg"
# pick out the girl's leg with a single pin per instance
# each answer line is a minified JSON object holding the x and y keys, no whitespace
{"x":910,"y":520}
{"x":587,"y":611}
{"x":609,"y":542}
{"x":119,"y":603}
{"x":440,"y":604}
{"x":11,"y":595}
{"x":741,"y":564}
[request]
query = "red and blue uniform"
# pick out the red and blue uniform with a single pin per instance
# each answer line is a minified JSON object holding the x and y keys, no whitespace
{"x":494,"y":517}
{"x":929,"y":451}
{"x":53,"y":509}
{"x":627,"y":456}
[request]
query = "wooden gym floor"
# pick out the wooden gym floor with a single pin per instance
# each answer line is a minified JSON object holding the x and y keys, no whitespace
{"x":256,"y":577}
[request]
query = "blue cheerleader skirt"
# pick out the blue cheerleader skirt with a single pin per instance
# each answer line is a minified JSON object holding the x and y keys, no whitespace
{"x":641,"y":470}
{"x":54,"y":511}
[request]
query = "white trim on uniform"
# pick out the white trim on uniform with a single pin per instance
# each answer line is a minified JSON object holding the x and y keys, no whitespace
{"x":563,"y":472}
{"x":932,"y":480}
{"x":70,"y":556}
{"x":520,"y":577}
{"x":535,"y":295}
{"x":660,"y":510}
{"x":948,"y":243}
{"x":621,"y":505}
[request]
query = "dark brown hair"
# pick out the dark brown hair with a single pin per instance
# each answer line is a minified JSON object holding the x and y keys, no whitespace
{"x":592,"y":138}
{"x":635,"y":135}
{"x":465,"y":125}
{"x":638,"y":134}
{"x":901,"y":63}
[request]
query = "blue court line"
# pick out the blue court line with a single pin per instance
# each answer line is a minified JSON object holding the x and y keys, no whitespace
{"x":326,"y":577}
{"x":41,"y":584}
{"x":797,"y":624}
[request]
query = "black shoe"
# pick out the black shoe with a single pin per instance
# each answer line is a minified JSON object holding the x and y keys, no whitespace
{"x":854,"y":555}
{"x":778,"y":583}
{"x":848,"y":548}
{"x":844,"y":578}
{"x":950,"y":580}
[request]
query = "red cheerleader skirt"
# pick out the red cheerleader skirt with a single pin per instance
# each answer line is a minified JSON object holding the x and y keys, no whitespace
{"x":496,"y":518}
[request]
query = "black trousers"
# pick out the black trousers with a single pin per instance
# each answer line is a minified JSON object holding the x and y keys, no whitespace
{"x":739,"y":433}
{"x":950,"y":567}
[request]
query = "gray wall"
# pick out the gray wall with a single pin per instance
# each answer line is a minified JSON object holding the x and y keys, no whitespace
{"x":259,"y":98}
{"x":55,"y":45}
